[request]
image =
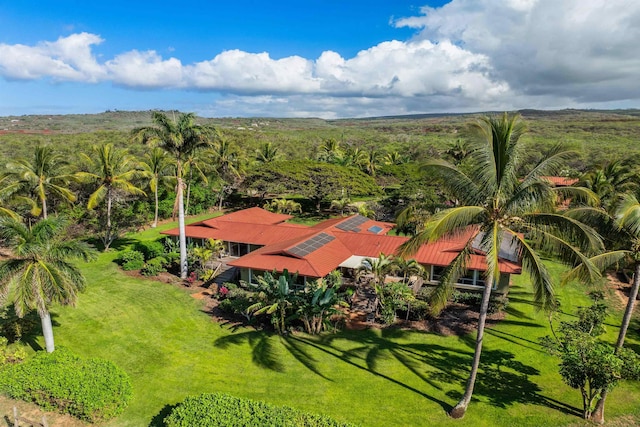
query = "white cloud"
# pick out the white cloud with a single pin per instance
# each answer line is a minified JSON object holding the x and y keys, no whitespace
{"x":586,"y":50}
{"x":145,"y":70}
{"x":66,"y":59}
{"x":467,"y":55}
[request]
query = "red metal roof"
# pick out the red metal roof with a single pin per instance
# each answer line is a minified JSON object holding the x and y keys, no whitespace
{"x":280,"y":240}
{"x":253,"y":215}
{"x":560,"y":181}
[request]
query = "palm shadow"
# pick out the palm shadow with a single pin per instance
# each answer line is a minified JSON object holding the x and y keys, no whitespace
{"x":27,"y":329}
{"x":503,"y":380}
{"x":262,"y":350}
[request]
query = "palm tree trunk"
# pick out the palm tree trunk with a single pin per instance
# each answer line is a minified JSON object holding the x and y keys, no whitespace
{"x":597,"y":415}
{"x":44,"y":208}
{"x":186,"y":208}
{"x":155,"y":217}
{"x":460,"y":409}
{"x":182,"y":232}
{"x":108,"y":238}
{"x":47,"y":331}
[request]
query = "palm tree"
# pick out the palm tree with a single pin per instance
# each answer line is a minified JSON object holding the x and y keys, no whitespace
{"x":8,"y":187}
{"x":496,"y":207}
{"x":112,"y":170}
{"x":609,"y":181}
{"x":408,"y":268}
{"x":46,"y":174}
{"x":157,"y":165}
{"x":626,"y":221}
{"x":40,"y":272}
{"x":267,"y":153}
{"x":227,"y":164}
{"x":395,"y":158}
{"x":370,"y":161}
{"x":180,"y":138}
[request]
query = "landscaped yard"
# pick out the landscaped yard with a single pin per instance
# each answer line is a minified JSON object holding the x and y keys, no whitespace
{"x":171,"y":349}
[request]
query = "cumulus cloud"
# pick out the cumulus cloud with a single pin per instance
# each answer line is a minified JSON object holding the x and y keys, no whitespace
{"x":467,"y":55}
{"x":67,"y":59}
{"x":586,"y":50}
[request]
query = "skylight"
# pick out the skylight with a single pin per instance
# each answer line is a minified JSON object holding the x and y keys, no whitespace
{"x":375,"y":229}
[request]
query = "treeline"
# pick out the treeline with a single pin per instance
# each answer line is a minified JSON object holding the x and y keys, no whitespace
{"x":109,"y":180}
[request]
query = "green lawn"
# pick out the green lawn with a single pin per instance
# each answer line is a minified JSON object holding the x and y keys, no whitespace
{"x":171,"y":349}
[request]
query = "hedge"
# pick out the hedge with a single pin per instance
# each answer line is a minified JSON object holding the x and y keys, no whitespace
{"x":223,"y":410}
{"x":89,"y":389}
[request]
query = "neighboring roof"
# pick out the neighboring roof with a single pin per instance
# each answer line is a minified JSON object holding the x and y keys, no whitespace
{"x":316,"y":251}
{"x":253,"y":215}
{"x":560,"y":181}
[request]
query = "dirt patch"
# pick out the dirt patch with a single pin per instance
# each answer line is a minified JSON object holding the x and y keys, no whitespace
{"x":621,"y":288}
{"x":34,"y":413}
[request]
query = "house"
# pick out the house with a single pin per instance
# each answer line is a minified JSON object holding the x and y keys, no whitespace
{"x":264,"y":241}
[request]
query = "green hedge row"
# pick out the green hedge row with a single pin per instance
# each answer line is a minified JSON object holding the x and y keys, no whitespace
{"x":217,"y":409}
{"x":90,"y":389}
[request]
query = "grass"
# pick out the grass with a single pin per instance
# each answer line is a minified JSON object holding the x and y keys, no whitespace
{"x":171,"y":349}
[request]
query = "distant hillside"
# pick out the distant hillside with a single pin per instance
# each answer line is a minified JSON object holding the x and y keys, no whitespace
{"x":602,"y":135}
{"x":127,"y":120}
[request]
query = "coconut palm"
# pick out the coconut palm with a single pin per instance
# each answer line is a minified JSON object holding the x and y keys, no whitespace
{"x":267,"y":153}
{"x":227,"y":163}
{"x":180,"y":138}
{"x":157,"y":164}
{"x":8,"y":188}
{"x":112,"y":170}
{"x":47,"y":174}
{"x":407,"y":268}
{"x":495,"y":206}
{"x":626,"y":221}
{"x":39,"y":272}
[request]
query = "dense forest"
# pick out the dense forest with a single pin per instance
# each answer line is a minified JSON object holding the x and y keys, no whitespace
{"x":372,"y":165}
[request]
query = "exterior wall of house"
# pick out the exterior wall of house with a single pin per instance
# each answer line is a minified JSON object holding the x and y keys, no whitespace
{"x":472,"y":281}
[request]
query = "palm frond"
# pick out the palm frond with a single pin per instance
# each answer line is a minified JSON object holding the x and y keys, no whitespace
{"x":600,"y":262}
{"x":447,"y":222}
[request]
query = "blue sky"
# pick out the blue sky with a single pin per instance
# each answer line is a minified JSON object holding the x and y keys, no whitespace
{"x":317,"y":58}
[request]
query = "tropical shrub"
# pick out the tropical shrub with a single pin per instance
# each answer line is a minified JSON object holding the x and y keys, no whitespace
{"x":587,"y":363}
{"x":131,"y":260}
{"x":92,"y":390}
{"x":223,"y":410}
{"x":154,"y":266}
{"x":150,"y":249}
{"x":497,"y":303}
{"x":11,"y":354}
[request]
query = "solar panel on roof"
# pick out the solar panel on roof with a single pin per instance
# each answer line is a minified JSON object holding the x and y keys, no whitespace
{"x":316,"y":242}
{"x":352,"y":223}
{"x":509,"y":248}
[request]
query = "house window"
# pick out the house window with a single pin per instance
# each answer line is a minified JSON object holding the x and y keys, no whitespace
{"x":471,"y":279}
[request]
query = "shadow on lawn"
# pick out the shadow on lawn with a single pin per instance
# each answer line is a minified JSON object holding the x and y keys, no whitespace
{"x":158,"y":419}
{"x":502,"y":380}
{"x":262,"y":351}
{"x":27,"y":329}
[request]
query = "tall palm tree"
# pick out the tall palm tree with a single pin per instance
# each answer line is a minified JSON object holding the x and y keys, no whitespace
{"x":45,"y":175}
{"x":496,"y":207}
{"x":157,"y":164}
{"x":228,"y":166}
{"x":111,"y":170}
{"x":181,"y":138}
{"x":626,"y":221}
{"x":39,"y":272}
